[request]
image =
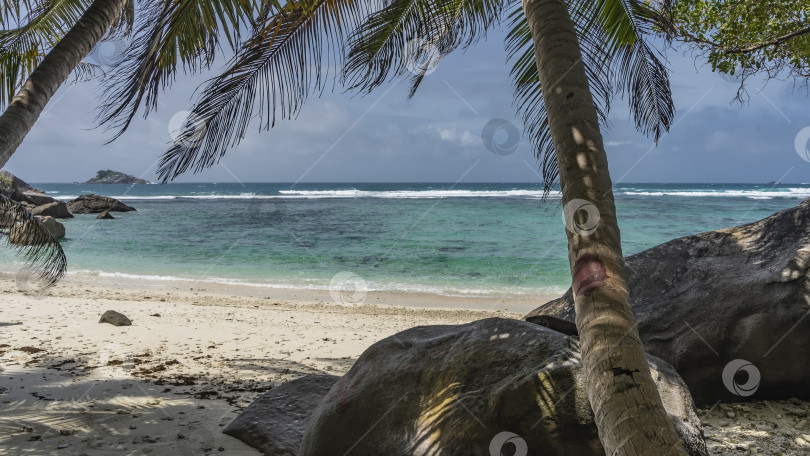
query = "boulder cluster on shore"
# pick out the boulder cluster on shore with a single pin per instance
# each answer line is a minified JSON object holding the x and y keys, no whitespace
{"x":48,"y":209}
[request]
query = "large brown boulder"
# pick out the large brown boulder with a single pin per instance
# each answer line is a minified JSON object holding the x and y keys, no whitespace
{"x":57,"y":209}
{"x":461,"y":390}
{"x":9,"y":180}
{"x":17,"y":189}
{"x":105,"y":216}
{"x":115,"y":318}
{"x":38,"y":199}
{"x":96,"y":204}
{"x":275,"y":422}
{"x":18,"y":236}
{"x":11,"y":185}
{"x":53,"y":226}
{"x":728,"y":308}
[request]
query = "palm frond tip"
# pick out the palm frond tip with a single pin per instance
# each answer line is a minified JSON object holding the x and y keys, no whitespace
{"x":39,"y":249}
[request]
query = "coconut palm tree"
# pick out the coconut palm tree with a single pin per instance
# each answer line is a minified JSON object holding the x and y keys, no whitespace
{"x":56,"y":35}
{"x":19,"y":49}
{"x":570,"y":59}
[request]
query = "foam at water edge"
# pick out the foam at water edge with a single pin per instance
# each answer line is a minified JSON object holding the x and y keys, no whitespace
{"x":437,"y":194}
{"x":751,"y":194}
{"x":323,"y":285}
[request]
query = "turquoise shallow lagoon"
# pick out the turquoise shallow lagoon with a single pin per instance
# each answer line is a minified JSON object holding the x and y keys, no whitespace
{"x":464,"y":239}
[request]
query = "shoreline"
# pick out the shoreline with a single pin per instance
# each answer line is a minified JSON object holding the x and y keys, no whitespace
{"x":188,"y":365}
{"x":205,"y":291}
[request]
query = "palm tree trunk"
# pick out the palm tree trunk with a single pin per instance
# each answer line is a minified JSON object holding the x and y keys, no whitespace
{"x":628,"y":411}
{"x":48,"y":76}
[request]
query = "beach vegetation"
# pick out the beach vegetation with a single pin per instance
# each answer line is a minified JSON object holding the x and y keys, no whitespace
{"x":742,"y":38}
{"x":41,"y":44}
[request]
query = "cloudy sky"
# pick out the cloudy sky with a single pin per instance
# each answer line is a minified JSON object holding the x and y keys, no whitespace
{"x":436,"y":136}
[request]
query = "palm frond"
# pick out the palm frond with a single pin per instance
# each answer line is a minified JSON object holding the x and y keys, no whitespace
{"x":39,"y":248}
{"x":393,"y":39}
{"x":617,"y":30}
{"x":122,"y":27}
{"x":288,"y":58}
{"x":85,"y":71}
{"x":617,"y":61}
{"x":528,"y":93}
{"x":293,"y":52}
{"x":171,"y":35}
{"x":13,"y":11}
{"x":22,"y":47}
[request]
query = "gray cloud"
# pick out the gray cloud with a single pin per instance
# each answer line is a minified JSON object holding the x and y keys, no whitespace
{"x":435,"y":136}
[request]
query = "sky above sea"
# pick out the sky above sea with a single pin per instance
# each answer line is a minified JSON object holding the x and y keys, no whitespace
{"x":437,"y":135}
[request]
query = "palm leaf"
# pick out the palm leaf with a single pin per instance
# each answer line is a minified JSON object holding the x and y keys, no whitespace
{"x":13,"y":11}
{"x":24,"y":46}
{"x":616,"y":59}
{"x":293,"y":52}
{"x":283,"y":63}
{"x":288,"y":58}
{"x":39,"y":248}
{"x":171,"y":35}
{"x":383,"y":46}
{"x":85,"y":71}
{"x":617,"y":30}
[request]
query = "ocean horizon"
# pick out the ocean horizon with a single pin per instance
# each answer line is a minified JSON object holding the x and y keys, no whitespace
{"x":483,"y":239}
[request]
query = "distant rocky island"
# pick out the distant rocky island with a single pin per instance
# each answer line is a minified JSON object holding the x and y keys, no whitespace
{"x":107,"y":176}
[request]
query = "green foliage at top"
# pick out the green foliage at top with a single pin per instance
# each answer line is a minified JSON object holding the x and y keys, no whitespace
{"x":744,"y":37}
{"x":29,"y":29}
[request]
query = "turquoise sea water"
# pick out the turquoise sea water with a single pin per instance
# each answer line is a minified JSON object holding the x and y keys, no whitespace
{"x":489,"y":239}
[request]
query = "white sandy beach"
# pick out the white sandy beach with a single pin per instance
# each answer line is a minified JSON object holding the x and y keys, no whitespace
{"x":195,"y":357}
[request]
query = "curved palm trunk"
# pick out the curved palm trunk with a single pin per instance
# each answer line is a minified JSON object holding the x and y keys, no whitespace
{"x":628,"y":411}
{"x":48,"y":76}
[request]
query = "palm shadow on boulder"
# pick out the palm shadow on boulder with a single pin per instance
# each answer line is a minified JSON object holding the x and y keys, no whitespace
{"x":729,"y":309}
{"x":465,"y":390}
